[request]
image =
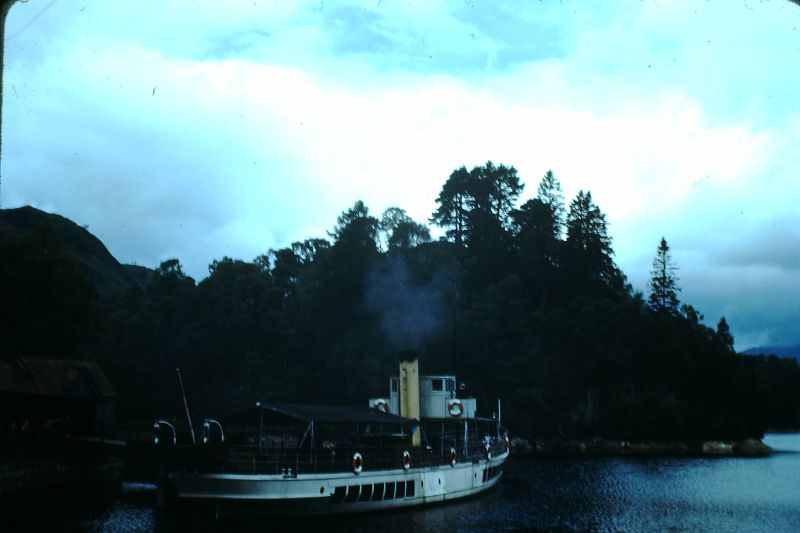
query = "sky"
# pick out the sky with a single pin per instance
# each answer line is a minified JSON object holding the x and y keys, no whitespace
{"x":199,"y":130}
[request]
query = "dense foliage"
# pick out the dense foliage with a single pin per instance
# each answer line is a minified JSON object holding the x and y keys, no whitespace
{"x":523,"y":302}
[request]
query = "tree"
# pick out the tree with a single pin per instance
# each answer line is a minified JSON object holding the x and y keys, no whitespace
{"x":408,"y":234}
{"x":285,"y":271}
{"x":238,"y":286}
{"x":356,"y":230}
{"x":549,"y":193}
{"x":495,"y":191}
{"x":308,"y":250}
{"x":536,"y":241}
{"x":691,"y":314}
{"x":663,"y":281}
{"x":478,"y":204}
{"x":454,"y":205}
{"x":391,"y":218}
{"x":534,"y":223}
{"x":724,"y":333}
{"x":170,"y":277}
{"x":588,"y":242}
{"x":350,"y":257}
{"x":171,"y":268}
{"x":400,"y":232}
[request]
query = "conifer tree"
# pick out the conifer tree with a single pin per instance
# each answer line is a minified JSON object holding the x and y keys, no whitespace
{"x":588,"y":241}
{"x":454,"y":204}
{"x":549,"y":192}
{"x":663,"y":281}
{"x":495,"y":190}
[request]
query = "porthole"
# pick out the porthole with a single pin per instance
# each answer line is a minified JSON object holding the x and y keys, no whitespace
{"x":440,"y":481}
{"x":322,"y":490}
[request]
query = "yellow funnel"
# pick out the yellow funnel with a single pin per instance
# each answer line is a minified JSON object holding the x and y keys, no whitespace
{"x":409,"y":390}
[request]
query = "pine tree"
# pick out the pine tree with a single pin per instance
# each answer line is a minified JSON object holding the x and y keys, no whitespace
{"x":549,"y":192}
{"x":496,"y":189}
{"x":454,"y":204}
{"x":663,"y":281}
{"x":588,"y":242}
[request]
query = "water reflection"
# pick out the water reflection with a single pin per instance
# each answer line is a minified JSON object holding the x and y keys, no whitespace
{"x":730,"y":494}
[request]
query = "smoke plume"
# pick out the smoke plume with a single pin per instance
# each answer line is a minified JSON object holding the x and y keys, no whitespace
{"x":411,"y":314}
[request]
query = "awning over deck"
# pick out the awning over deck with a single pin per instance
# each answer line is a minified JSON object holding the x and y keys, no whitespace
{"x":323,"y":414}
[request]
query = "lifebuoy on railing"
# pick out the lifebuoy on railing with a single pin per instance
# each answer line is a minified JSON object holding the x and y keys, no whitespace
{"x":358,"y":463}
{"x":406,"y":460}
{"x":382,"y":406}
{"x":506,"y":442}
{"x":487,"y":445}
{"x":455,"y":408}
{"x":453,"y":456}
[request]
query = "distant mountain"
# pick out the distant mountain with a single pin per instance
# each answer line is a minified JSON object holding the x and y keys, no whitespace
{"x":780,"y":351}
{"x":89,"y":253}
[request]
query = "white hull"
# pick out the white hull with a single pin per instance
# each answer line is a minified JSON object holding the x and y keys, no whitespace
{"x":336,"y":493}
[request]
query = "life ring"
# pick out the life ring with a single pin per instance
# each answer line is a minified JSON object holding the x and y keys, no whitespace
{"x":507,"y":442}
{"x":455,"y":408}
{"x":487,"y":445}
{"x":358,"y":463}
{"x":453,"y":456}
{"x":406,"y":460}
{"x":382,"y":406}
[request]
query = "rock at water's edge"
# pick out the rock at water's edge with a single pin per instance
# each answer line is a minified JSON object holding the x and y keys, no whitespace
{"x":717,"y":448}
{"x":751,"y":447}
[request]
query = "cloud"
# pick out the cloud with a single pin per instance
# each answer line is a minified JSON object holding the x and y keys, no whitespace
{"x":771,"y":245}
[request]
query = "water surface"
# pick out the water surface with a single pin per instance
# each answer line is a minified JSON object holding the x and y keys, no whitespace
{"x":677,"y":494}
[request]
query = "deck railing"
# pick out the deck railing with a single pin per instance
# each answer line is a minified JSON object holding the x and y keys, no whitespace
{"x":290,"y":461}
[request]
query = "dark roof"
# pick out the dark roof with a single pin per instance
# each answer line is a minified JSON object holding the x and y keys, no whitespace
{"x":54,"y":377}
{"x":327,"y":413}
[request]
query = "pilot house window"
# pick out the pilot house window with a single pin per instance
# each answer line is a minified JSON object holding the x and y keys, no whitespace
{"x":436,"y":384}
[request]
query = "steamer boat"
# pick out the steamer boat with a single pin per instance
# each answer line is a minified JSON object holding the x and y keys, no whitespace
{"x":420,"y":445}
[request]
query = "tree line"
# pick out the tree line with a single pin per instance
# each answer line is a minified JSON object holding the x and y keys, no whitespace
{"x":521,"y":302}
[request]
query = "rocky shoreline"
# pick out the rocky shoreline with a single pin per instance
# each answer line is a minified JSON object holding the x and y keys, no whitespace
{"x":598,"y":447}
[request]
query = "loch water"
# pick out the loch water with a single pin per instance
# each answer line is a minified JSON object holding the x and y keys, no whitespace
{"x":536,"y":494}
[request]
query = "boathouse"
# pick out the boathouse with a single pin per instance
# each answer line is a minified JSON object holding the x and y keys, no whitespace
{"x":51,"y":398}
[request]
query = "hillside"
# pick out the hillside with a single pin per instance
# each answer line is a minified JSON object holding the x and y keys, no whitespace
{"x":87,"y":251}
{"x":525,"y":305}
{"x":780,"y":351}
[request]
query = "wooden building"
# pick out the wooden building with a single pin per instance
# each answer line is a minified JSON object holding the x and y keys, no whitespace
{"x":50,"y":398}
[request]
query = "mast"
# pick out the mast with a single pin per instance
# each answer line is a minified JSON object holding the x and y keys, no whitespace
{"x":498,"y":417}
{"x":186,"y":405}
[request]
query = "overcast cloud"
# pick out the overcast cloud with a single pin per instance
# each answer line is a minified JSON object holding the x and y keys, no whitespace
{"x":200,"y":130}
